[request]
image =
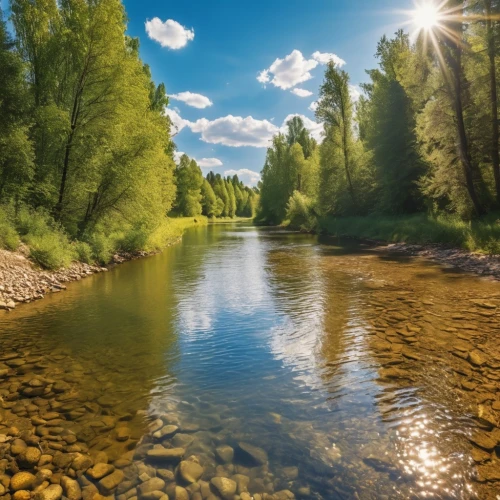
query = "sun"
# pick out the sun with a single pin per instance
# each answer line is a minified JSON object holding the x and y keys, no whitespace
{"x":426,"y":17}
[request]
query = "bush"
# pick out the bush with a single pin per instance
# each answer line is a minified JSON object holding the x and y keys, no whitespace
{"x":300,"y":212}
{"x":135,"y":240}
{"x":51,"y":250}
{"x":9,"y":238}
{"x":83,"y":252}
{"x":102,"y":247}
{"x":33,"y":222}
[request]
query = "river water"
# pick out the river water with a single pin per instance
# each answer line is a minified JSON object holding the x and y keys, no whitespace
{"x":359,"y":373}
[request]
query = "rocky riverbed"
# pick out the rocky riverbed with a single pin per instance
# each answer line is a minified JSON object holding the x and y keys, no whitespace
{"x":476,"y":263}
{"x":56,"y":443}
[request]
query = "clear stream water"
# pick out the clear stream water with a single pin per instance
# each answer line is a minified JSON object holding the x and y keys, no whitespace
{"x":344,"y":362}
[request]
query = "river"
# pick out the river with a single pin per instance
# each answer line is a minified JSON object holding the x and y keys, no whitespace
{"x":305,"y":366}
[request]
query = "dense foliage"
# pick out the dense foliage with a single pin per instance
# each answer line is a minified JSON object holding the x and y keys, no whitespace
{"x":85,"y":145}
{"x":423,"y":137}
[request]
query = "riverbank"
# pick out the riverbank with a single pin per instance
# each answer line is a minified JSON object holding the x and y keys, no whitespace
{"x":470,"y":246}
{"x":23,"y":281}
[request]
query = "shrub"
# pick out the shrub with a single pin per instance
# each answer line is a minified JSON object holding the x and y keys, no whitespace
{"x":102,"y":247}
{"x":135,"y":239}
{"x":9,"y":238}
{"x":300,"y":213}
{"x":33,"y":222}
{"x":83,"y":252}
{"x":51,"y":250}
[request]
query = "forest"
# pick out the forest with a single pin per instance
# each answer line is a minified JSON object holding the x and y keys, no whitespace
{"x":86,"y":154}
{"x":87,"y":163}
{"x":417,"y":156}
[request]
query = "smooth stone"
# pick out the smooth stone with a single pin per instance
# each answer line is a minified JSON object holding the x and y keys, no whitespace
{"x":123,"y":434}
{"x":21,"y":495}
{"x":189,"y":471}
{"x":165,"y":474}
{"x":154,"y":484}
{"x":225,"y":453}
{"x":477,"y":358}
{"x":109,"y":483}
{"x":241,"y":482}
{"x":22,"y":481}
{"x":166,"y":454}
{"x":29,"y":457}
{"x":82,"y":462}
{"x":181,"y":493}
{"x":483,"y":440}
{"x":71,"y":488}
{"x":225,"y":487}
{"x":257,"y":454}
{"x":52,"y":492}
{"x":166,"y":431}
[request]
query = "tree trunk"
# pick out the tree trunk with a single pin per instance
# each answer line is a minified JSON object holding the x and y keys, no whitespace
{"x":491,"y":41}
{"x":455,"y":63}
{"x":75,"y":113}
{"x":347,"y":159}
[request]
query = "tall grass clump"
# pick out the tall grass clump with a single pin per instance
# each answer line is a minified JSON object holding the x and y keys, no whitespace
{"x":48,"y":243}
{"x":9,"y":239}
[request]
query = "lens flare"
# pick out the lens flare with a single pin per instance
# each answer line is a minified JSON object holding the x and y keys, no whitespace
{"x":426,"y":17}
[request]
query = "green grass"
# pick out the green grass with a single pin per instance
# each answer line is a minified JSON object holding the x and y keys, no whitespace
{"x":229,"y":220}
{"x":171,"y":230}
{"x":482,"y":235}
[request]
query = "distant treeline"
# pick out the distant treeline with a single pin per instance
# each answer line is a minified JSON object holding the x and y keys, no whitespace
{"x":423,"y":137}
{"x":214,"y":196}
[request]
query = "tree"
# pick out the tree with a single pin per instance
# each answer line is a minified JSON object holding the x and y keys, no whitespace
{"x":387,"y":128}
{"x":208,"y":200}
{"x":297,"y":133}
{"x":452,"y":44}
{"x":16,"y":150}
{"x":336,"y":111}
{"x":189,"y":184}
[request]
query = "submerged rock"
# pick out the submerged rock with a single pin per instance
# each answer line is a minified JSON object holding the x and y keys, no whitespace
{"x":166,"y":454}
{"x":225,"y":487}
{"x":254,"y":453}
{"x":189,"y":471}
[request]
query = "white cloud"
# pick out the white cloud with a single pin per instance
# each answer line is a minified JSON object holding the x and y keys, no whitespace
{"x":263,"y":76}
{"x":191,"y":99}
{"x":313,"y":106}
{"x":177,"y":122}
{"x":315,"y":129}
{"x":326,"y":57}
{"x":235,"y":131}
{"x":288,"y":72}
{"x":178,"y":155}
{"x":169,"y":34}
{"x":301,"y":92}
{"x":209,"y":162}
{"x":249,"y":177}
{"x":355,"y":92}
{"x":204,"y":162}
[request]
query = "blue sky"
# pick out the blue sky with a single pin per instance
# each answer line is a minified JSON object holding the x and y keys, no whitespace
{"x":217,"y":49}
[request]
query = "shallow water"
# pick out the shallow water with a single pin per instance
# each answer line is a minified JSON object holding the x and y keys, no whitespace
{"x":373,"y":374}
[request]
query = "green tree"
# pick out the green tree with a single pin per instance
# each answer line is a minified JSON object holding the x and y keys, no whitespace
{"x":335,"y":109}
{"x":208,"y":200}
{"x":16,"y":150}
{"x":189,"y":185}
{"x":387,"y":128}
